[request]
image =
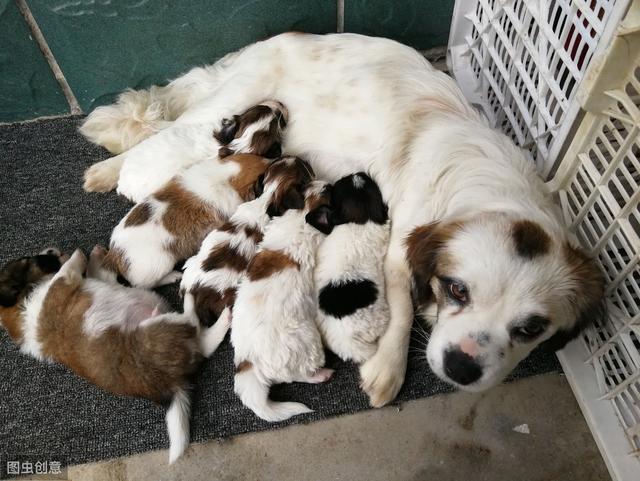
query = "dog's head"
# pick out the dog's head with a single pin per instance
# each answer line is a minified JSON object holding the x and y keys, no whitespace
{"x":284,"y":183}
{"x":356,"y":198}
{"x":257,"y":131}
{"x":18,"y":277}
{"x":495,"y":287}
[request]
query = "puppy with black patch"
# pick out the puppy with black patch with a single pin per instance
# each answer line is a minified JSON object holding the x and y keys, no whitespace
{"x":211,"y":277}
{"x":274,"y":333}
{"x":349,"y":276}
{"x":169,"y":225}
{"x":123,"y":340}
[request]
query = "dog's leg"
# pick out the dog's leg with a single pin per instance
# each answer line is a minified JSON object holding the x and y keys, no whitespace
{"x":383,"y":374}
{"x":211,"y":337}
{"x":95,"y":268}
{"x":72,"y":270}
{"x":103,"y":176}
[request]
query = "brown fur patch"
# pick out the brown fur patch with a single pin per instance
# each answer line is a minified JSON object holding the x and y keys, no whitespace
{"x":292,"y":174}
{"x":11,"y":318}
{"x":427,"y":256}
{"x":254,"y":234}
{"x":209,"y":302}
{"x":268,"y":262}
{"x":243,"y":366}
{"x":187,"y":217}
{"x":530,"y":239}
{"x":251,"y":167}
{"x":318,"y":199}
{"x":151,"y":362}
{"x":225,"y":256}
{"x":139,"y":215}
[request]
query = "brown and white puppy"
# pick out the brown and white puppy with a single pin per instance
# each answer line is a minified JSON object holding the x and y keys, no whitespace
{"x":274,"y":333}
{"x":170,"y":225}
{"x":494,"y":287}
{"x":211,"y":277}
{"x":123,"y":340}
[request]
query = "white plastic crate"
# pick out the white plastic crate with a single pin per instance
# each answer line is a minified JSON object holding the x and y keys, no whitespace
{"x":516,"y":60}
{"x":521,"y":62}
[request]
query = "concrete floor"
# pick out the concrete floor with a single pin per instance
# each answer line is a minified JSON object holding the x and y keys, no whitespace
{"x":459,"y":436}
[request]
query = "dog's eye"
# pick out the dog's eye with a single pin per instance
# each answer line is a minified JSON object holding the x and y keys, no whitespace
{"x":456,"y":290}
{"x":534,"y":327}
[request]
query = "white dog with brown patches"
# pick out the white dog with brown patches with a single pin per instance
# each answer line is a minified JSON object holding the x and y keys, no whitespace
{"x":487,"y":255}
{"x":274,"y":334}
{"x":123,"y":340}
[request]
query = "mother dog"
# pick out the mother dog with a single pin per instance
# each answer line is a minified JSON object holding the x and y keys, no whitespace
{"x":476,"y":239}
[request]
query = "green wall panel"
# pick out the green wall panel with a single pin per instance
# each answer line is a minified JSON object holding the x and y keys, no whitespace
{"x":420,"y":23}
{"x":27,"y":86}
{"x":104,"y":46}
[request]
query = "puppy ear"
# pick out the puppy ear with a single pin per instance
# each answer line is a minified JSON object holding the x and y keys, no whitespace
{"x":587,"y":297}
{"x":13,"y":280}
{"x":425,"y":246}
{"x":227,"y":131}
{"x":320,"y":218}
{"x":292,"y":199}
{"x":258,"y":187}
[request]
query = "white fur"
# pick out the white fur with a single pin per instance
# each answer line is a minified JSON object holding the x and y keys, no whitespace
{"x":31,"y":344}
{"x":354,"y":252}
{"x":358,"y":103}
{"x":177,"y":419}
{"x":273,"y":320}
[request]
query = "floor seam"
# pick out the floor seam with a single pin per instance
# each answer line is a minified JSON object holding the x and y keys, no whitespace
{"x":38,"y":36}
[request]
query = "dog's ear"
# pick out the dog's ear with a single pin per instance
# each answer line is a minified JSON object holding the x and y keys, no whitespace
{"x":587,"y":297}
{"x":258,"y":187}
{"x":425,"y":248}
{"x":292,"y":199}
{"x":227,"y":131}
{"x":320,"y":218}
{"x":13,"y":280}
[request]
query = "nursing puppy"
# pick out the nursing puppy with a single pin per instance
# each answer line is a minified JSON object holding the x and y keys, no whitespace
{"x":349,"y":276}
{"x":274,"y":332}
{"x":123,"y":340}
{"x":170,"y":225}
{"x":141,"y":172}
{"x":211,"y":277}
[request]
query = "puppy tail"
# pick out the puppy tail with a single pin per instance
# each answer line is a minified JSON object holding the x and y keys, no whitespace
{"x":136,"y":115}
{"x":254,"y":394}
{"x":178,"y":424}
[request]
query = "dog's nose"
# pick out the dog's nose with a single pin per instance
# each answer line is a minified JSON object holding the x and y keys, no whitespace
{"x":461,"y":367}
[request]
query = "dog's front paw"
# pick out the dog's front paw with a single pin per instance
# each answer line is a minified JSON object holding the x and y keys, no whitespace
{"x":382,"y":377}
{"x":101,"y":177}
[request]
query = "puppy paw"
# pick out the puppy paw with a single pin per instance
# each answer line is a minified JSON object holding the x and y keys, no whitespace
{"x":382,"y":377}
{"x":101,"y":177}
{"x":321,"y":375}
{"x":98,"y":253}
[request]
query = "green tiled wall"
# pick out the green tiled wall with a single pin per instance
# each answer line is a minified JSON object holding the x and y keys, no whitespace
{"x":104,"y":46}
{"x":27,"y":86}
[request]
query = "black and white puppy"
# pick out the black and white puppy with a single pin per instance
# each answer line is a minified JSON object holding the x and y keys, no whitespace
{"x":349,"y":277}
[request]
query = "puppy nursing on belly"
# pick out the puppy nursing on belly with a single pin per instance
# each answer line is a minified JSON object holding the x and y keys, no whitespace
{"x":274,"y":334}
{"x":211,"y":277}
{"x":121,"y":339}
{"x":143,"y":170}
{"x":169,"y":225}
{"x":349,"y":277}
